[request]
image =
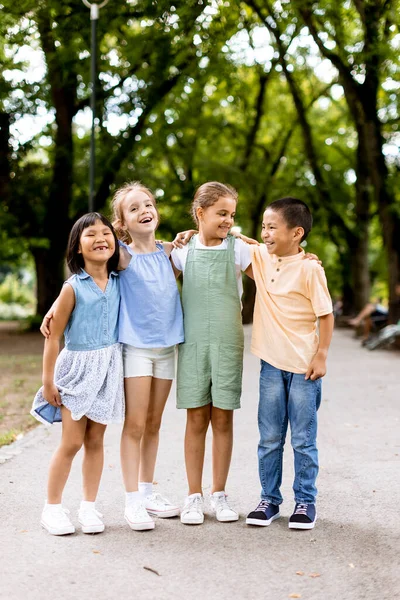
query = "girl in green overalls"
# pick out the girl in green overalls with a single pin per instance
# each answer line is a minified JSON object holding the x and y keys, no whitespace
{"x":210,"y":361}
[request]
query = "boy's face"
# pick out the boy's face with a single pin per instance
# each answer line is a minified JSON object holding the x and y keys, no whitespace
{"x":278,"y":237}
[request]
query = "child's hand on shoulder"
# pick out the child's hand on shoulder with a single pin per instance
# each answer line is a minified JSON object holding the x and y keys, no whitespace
{"x":244,"y":238}
{"x":182,"y":238}
{"x":312,"y":256}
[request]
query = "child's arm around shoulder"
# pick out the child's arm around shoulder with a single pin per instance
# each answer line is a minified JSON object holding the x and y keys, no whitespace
{"x":62,"y":311}
{"x":124,"y":257}
{"x":245,"y":248}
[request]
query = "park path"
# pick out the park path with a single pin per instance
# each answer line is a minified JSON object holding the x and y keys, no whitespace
{"x":352,"y":554}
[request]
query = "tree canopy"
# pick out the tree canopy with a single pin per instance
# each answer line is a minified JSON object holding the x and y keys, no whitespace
{"x":274,"y":97}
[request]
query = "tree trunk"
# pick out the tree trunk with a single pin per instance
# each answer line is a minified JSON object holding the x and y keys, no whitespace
{"x":50,"y":261}
{"x":4,"y":156}
{"x":388,"y":215}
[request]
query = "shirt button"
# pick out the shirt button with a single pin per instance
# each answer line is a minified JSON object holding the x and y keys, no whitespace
{"x":277,"y":269}
{"x":272,"y":280}
{"x":279,"y":260}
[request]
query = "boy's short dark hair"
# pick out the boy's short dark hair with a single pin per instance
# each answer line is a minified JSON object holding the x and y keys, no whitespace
{"x":295,"y":213}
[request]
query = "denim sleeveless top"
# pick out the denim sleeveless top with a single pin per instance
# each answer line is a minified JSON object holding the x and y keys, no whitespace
{"x":94,"y":321}
{"x":150,"y":313}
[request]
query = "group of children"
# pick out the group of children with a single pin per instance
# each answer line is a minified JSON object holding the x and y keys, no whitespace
{"x":123,"y":317}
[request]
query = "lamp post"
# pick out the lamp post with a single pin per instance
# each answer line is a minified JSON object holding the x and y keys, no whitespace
{"x":94,"y":17}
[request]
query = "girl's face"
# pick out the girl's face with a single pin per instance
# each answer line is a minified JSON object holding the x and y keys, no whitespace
{"x":139,"y":213}
{"x":97,"y":243}
{"x":216,"y":221}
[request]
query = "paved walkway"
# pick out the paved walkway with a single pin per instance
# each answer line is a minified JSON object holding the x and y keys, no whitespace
{"x":353,"y":553}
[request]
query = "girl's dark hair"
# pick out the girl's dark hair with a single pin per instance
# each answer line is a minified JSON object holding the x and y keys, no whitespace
{"x":294,"y":212}
{"x":75,"y":260}
{"x":208,"y":194}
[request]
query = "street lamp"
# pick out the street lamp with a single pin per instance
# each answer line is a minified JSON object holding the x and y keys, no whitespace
{"x":94,"y":17}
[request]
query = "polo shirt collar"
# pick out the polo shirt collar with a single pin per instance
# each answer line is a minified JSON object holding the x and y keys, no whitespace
{"x":288,"y":259}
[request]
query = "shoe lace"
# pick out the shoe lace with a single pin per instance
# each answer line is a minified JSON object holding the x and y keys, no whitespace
{"x":62,"y":514}
{"x":139,"y":510}
{"x":301,"y":509}
{"x":222,"y":502}
{"x":88,"y":511}
{"x":156,"y":497}
{"x":263,"y":506}
{"x":194,"y":504}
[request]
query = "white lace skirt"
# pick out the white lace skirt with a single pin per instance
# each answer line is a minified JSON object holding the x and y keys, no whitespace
{"x":90,"y":384}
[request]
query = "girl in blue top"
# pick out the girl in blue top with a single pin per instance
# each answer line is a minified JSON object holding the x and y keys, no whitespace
{"x":150,"y":327}
{"x":82,"y":384}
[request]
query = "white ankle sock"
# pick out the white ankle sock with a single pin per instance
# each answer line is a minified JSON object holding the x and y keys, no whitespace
{"x":133,"y":497}
{"x":146,"y":489}
{"x":52,"y":506}
{"x":86,"y":504}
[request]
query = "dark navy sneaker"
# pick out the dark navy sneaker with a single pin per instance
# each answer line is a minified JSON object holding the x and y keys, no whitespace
{"x":303,"y":517}
{"x":264,"y":514}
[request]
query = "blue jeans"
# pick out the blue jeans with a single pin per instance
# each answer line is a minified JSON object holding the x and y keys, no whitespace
{"x":287,"y":398}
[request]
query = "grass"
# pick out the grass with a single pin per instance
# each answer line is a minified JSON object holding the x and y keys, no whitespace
{"x":20,"y":378}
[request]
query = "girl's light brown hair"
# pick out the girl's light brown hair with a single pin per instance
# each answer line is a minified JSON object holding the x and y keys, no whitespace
{"x":116,"y":205}
{"x":208,"y":194}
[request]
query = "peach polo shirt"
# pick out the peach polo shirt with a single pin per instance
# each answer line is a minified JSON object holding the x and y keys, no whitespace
{"x":292,"y":293}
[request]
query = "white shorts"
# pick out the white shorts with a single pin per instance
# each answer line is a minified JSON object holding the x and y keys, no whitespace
{"x":149,"y":362}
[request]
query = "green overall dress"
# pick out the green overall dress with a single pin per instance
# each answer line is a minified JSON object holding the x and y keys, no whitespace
{"x":210,"y":361}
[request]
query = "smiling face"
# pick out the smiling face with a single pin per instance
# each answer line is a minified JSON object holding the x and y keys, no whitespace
{"x":139,"y":213}
{"x":278,"y":237}
{"x":215,"y":221}
{"x":97,"y":243}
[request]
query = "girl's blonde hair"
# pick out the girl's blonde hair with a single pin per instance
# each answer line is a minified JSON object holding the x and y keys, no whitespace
{"x":116,"y":205}
{"x":208,"y":194}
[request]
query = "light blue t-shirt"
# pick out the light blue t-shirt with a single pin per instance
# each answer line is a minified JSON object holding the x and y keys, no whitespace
{"x":94,"y":321}
{"x":150,"y":313}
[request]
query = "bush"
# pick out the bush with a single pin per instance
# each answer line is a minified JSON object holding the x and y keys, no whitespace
{"x":13,"y":291}
{"x":15,"y":312}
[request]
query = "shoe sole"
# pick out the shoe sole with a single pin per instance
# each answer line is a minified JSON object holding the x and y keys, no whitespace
{"x":140,"y":526}
{"x":262,"y":523}
{"x":228,"y":519}
{"x":166,"y":514}
{"x":192,"y":522}
{"x":302,"y":525}
{"x":92,"y":528}
{"x":53,"y":531}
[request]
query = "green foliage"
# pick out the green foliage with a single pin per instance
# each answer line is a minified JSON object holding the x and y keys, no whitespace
{"x":14,"y":291}
{"x":191,"y":92}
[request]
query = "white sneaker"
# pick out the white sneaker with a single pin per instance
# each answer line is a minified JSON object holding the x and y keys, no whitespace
{"x":224,"y":512}
{"x":90,"y":520}
{"x":55,"y":520}
{"x":159,"y":506}
{"x":137,"y":517}
{"x":192,"y":512}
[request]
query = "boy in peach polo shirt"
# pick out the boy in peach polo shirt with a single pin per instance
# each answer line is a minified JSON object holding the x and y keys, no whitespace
{"x":292,"y":297}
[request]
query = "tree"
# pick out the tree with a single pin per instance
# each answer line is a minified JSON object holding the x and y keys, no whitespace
{"x":357,"y":39}
{"x":149,"y":63}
